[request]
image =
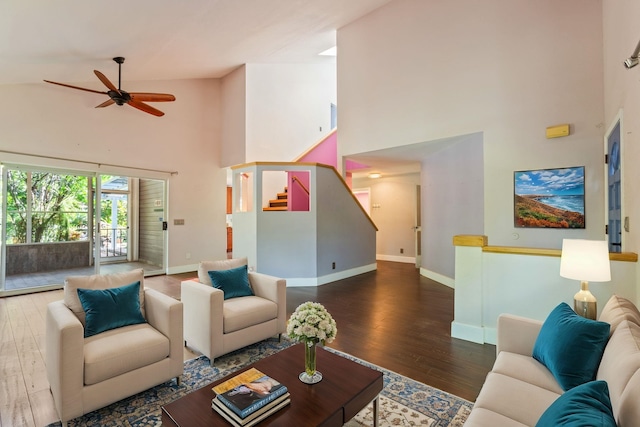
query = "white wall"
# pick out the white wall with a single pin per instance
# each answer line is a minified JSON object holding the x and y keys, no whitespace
{"x":489,"y":284}
{"x":43,"y":119}
{"x":622,"y":95}
{"x":394,"y":213}
{"x":415,"y":71}
{"x":453,"y":194}
{"x":287,"y":104}
{"x":234,"y":118}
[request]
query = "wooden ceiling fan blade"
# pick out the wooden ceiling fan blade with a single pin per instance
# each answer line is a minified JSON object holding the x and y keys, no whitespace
{"x":106,"y":81}
{"x":77,"y":87}
{"x":106,"y":103}
{"x":152,"y":97}
{"x":146,"y":108}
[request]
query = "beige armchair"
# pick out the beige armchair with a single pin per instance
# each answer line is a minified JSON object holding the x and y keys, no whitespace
{"x":215,"y":326}
{"x":89,"y":373}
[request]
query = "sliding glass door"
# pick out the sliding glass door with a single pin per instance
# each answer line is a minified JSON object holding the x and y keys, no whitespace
{"x":59,"y":223}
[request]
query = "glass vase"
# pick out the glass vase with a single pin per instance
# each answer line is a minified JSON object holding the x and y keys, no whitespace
{"x":310,"y":375}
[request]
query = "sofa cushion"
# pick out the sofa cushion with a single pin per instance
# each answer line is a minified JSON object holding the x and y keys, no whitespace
{"x":206,"y":266}
{"x":571,"y":346}
{"x":122,"y":350}
{"x":628,"y":411}
{"x":514,"y":399}
{"x":585,"y":405}
{"x":240,"y":313}
{"x":618,"y":309}
{"x":113,"y":308}
{"x":234,"y":282}
{"x":99,"y":281}
{"x":527,"y":369}
{"x":620,"y":361}
{"x":481,"y":417}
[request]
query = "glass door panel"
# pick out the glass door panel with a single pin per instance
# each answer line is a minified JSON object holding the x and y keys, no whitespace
{"x":45,"y":234}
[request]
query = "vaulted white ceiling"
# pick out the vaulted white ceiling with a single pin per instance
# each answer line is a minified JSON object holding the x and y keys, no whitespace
{"x":65,"y":40}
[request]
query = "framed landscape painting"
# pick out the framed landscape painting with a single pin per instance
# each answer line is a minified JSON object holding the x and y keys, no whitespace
{"x":549,"y":198}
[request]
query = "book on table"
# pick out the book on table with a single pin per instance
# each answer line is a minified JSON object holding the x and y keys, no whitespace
{"x":254,"y":417}
{"x":248,"y":392}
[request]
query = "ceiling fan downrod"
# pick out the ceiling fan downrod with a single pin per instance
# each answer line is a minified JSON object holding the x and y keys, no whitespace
{"x":119,"y":60}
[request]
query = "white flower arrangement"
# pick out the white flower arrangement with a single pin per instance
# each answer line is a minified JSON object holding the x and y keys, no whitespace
{"x":312,"y":323}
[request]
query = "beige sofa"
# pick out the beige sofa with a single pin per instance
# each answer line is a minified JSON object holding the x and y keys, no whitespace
{"x":215,"y":326}
{"x":86,"y":374}
{"x":519,"y":389}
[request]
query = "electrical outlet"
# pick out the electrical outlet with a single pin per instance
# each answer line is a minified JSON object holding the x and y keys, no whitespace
{"x":401,"y":250}
{"x":188,"y":255}
{"x":333,"y":265}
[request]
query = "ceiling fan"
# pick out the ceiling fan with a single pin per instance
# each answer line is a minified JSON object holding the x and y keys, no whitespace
{"x":120,"y":97}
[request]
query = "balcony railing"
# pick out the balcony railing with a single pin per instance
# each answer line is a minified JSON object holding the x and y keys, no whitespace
{"x":113,"y":242}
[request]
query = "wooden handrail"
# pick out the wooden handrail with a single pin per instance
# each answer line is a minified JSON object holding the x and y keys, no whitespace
{"x":296,"y":179}
{"x":482,"y":242}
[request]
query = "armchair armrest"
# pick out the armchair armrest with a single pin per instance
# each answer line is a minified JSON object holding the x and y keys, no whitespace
{"x":274,"y":289}
{"x":269,"y":287}
{"x":517,"y":334}
{"x":203,"y":315}
{"x":64,"y":358}
{"x":165,"y":314}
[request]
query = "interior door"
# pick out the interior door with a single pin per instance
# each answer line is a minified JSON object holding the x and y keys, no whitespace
{"x":614,"y":195}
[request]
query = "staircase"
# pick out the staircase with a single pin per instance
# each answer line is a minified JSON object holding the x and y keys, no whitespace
{"x":278,"y":204}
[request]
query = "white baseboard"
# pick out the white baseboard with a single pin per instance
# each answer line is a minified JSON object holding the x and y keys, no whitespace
{"x":440,"y":278}
{"x":394,"y":258}
{"x":323,"y":280}
{"x":491,"y":335}
{"x":182,"y":269}
{"x":467,"y":332}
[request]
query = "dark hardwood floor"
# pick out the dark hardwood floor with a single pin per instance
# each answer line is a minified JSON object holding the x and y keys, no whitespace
{"x":394,"y":318}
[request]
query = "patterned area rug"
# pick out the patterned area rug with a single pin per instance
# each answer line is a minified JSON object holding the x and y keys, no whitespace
{"x":403,"y":402}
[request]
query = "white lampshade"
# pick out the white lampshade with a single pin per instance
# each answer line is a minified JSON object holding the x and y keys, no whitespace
{"x":585,"y":260}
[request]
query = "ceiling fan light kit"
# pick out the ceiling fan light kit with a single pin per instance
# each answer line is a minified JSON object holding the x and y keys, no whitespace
{"x":120,"y":97}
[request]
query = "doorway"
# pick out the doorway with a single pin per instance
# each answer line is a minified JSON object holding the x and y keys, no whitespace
{"x":614,"y":188}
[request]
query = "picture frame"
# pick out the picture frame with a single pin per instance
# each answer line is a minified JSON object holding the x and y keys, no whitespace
{"x":549,"y":198}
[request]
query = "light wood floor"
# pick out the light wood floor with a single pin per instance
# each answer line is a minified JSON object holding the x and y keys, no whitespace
{"x":391,"y":306}
{"x":25,"y":399}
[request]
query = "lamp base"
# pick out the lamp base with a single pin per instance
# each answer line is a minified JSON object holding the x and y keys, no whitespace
{"x":584,"y":303}
{"x":586,"y":309}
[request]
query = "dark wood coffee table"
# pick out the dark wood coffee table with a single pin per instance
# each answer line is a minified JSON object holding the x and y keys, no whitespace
{"x":346,"y":388}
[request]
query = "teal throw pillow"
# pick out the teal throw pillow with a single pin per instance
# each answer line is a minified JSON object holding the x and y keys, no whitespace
{"x":234,"y":282}
{"x":113,"y":308}
{"x":588,"y":404}
{"x":571,"y":346}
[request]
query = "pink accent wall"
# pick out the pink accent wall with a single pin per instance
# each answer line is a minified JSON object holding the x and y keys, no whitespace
{"x":326,"y":152}
{"x":350,"y":165}
{"x":298,"y":199}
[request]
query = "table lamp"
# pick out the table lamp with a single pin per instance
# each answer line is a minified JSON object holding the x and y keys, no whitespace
{"x":587,"y":261}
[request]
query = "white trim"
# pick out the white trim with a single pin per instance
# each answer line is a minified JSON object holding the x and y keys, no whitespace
{"x":447,"y":281}
{"x":467,"y":332}
{"x":395,"y":258}
{"x":39,"y":161}
{"x":188,"y":268}
{"x":491,"y":335}
{"x":294,"y":282}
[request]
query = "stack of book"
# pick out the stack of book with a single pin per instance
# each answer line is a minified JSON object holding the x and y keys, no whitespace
{"x":249,"y":398}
